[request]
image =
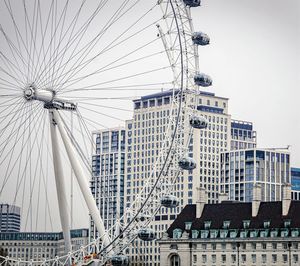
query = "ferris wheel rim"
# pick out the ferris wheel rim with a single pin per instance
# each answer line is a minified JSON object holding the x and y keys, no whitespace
{"x":181,"y":92}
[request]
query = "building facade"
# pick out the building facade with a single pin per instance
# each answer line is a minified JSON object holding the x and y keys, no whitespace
{"x":145,"y":135}
{"x":295,"y":176}
{"x":241,"y":169}
{"x":39,"y":246}
{"x":107,"y":182}
{"x":243,"y":135}
{"x":231,"y":233}
{"x":10,"y":218}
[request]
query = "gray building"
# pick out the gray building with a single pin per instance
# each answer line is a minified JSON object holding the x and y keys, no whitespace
{"x":107,"y":182}
{"x":241,"y":169}
{"x":10,"y":218}
{"x":243,"y":136}
{"x":40,"y":245}
{"x":234,"y":233}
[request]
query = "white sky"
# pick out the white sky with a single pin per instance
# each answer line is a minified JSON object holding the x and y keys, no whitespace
{"x":254,"y":60}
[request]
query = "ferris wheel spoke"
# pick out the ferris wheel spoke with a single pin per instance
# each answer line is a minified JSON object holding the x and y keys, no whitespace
{"x":88,"y":48}
{"x":9,"y":170}
{"x":111,"y":46}
{"x":11,"y":124}
{"x":72,"y":39}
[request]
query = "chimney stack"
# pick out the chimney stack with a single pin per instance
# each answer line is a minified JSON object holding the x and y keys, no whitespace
{"x":286,"y":198}
{"x":256,"y":199}
{"x":201,"y":201}
{"x":223,"y":197}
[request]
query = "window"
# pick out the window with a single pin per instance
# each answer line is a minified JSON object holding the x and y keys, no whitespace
{"x":188,"y":225}
{"x":263,"y":258}
{"x":243,"y":258}
{"x":287,"y":223}
{"x":194,"y":258}
{"x":213,"y":258}
{"x":213,"y":233}
{"x":226,"y":224}
{"x":207,"y":224}
{"x":175,"y":261}
{"x":295,"y":258}
{"x":195,"y":233}
{"x":274,"y":246}
{"x":253,"y":258}
{"x":177,"y":233}
{"x":266,"y":224}
{"x":274,"y":258}
{"x":246,"y":224}
{"x":284,"y":258}
{"x":233,"y":258}
{"x":204,"y":259}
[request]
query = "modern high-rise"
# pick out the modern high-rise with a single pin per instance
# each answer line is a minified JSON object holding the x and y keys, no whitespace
{"x":10,"y":218}
{"x":107,"y":182}
{"x":242,"y":135}
{"x":295,"y":177}
{"x":241,"y":169}
{"x":145,"y":134}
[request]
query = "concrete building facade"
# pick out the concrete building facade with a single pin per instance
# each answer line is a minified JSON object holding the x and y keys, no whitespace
{"x":145,"y":134}
{"x":241,"y":169}
{"x":231,"y":233}
{"x":39,"y":246}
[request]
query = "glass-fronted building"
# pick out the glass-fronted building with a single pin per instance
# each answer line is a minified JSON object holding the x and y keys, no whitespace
{"x":241,"y":169}
{"x":107,"y":182}
{"x":295,"y":176}
{"x":10,"y":218}
{"x":243,"y":135}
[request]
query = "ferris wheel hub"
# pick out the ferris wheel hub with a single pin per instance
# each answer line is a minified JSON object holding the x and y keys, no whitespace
{"x":48,"y":97}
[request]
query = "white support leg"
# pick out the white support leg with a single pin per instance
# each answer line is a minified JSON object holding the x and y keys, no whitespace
{"x":60,"y":186}
{"x":81,"y":178}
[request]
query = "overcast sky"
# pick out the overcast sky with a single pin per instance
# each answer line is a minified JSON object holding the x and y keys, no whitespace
{"x":254,"y":60}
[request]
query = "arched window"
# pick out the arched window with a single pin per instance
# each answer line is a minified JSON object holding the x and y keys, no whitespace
{"x":174,"y":260}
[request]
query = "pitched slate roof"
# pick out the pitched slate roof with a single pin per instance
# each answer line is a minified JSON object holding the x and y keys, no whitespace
{"x":236,"y":213}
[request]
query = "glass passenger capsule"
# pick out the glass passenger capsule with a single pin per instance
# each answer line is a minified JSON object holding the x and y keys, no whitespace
{"x":187,"y":163}
{"x":146,"y":234}
{"x":200,"y":38}
{"x":203,"y":80}
{"x":143,"y":217}
{"x":199,"y":122}
{"x":169,"y":201}
{"x":119,"y":260}
{"x":192,"y":3}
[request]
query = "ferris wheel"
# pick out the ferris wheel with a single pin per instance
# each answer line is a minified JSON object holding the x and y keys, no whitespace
{"x":70,"y":67}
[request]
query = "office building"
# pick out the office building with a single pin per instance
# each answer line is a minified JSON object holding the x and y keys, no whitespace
{"x":40,"y":246}
{"x":107,"y":182}
{"x":10,"y":218}
{"x":295,"y":176}
{"x":242,"y":135}
{"x":241,"y":169}
{"x":234,"y":233}
{"x":145,"y":135}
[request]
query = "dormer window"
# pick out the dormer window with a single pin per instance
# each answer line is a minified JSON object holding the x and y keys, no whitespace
{"x":226,"y":224}
{"x":195,"y":233}
{"x":246,"y":224}
{"x":266,"y":224}
{"x":188,"y":225}
{"x":287,"y":223}
{"x":177,"y":233}
{"x":213,"y":233}
{"x":207,"y":225}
